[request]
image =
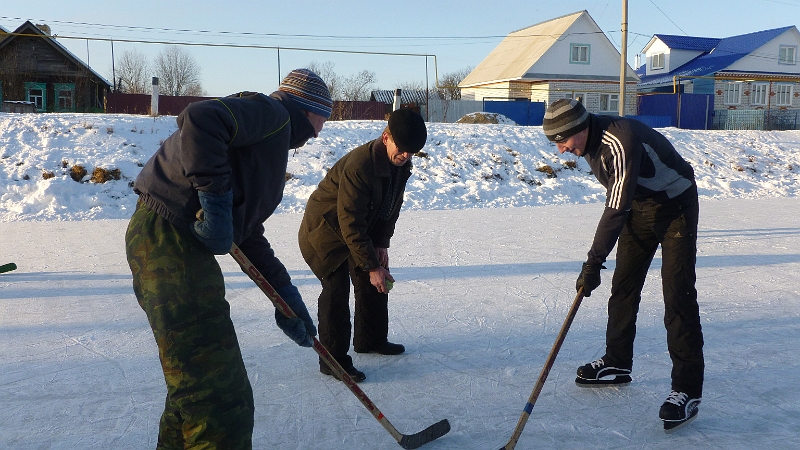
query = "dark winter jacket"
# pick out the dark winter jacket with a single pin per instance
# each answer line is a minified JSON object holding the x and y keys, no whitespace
{"x":634,"y":163}
{"x":239,"y":142}
{"x":342,"y":215}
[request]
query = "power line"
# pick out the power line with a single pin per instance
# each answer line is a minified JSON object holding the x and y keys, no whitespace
{"x":295,"y":36}
{"x":212,"y":44}
{"x":665,"y":15}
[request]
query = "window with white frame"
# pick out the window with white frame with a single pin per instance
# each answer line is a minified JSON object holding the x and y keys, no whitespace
{"x":609,"y":102}
{"x":579,"y":53}
{"x":760,"y":93}
{"x":732,"y":93}
{"x":783,"y":94}
{"x":787,"y":54}
{"x":657,"y":61}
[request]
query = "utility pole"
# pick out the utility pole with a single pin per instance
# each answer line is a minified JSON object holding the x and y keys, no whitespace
{"x":623,"y":58}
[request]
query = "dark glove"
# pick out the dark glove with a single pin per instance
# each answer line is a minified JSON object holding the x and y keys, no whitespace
{"x":301,"y":328}
{"x":589,"y":278}
{"x":215,"y":230}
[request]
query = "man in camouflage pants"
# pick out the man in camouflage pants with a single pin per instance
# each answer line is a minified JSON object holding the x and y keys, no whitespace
{"x":228,"y":159}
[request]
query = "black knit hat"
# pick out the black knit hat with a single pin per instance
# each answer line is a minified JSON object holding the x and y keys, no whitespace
{"x":309,"y":91}
{"x":564,"y":118}
{"x":408,"y":130}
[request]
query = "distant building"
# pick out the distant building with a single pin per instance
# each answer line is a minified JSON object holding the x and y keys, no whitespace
{"x":36,"y":68}
{"x":566,"y":57}
{"x":407,"y":96}
{"x":753,"y":71}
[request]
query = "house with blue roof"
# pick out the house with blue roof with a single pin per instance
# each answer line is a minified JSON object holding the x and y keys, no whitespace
{"x":754,"y":71}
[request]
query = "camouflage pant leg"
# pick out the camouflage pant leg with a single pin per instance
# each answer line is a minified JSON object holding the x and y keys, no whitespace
{"x":180,"y":286}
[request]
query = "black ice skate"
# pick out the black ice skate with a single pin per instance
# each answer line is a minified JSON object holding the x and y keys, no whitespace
{"x":598,"y":374}
{"x":678,"y":410}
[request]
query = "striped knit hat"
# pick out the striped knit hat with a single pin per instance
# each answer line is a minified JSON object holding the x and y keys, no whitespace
{"x":564,"y":118}
{"x":309,"y":91}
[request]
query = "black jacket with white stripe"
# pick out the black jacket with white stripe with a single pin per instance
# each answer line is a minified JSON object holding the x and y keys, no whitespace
{"x":634,"y":163}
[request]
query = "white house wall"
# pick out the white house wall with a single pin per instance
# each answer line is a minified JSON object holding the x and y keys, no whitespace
{"x":673,"y":58}
{"x":765,"y":58}
{"x":495,"y":90}
{"x":548,"y":92}
{"x":590,"y":93}
{"x":603,"y":56}
{"x":746,"y":97}
{"x":517,"y":52}
{"x":654,"y":48}
{"x":677,"y":58}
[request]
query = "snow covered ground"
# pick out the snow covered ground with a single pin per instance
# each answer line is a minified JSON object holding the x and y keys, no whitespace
{"x":485,"y":260}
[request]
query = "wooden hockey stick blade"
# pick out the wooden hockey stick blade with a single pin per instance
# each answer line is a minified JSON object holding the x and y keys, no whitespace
{"x":434,"y":431}
{"x":429,"y":434}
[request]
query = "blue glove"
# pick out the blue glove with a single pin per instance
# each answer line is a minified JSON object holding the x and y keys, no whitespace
{"x":300,"y":328}
{"x":216,"y":228}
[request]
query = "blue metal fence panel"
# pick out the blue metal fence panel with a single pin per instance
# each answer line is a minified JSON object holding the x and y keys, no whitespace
{"x":521,"y":112}
{"x":654,"y":121}
{"x":695,"y":109}
{"x":660,"y":105}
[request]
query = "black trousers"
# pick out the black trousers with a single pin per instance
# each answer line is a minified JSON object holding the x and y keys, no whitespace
{"x":674,"y":226}
{"x":371,"y":322}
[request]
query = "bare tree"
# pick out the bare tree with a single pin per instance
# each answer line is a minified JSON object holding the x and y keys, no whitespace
{"x":326,"y":72}
{"x":178,"y":72}
{"x":133,"y":73}
{"x":411,"y":86}
{"x":448,"y":84}
{"x":358,"y":87}
{"x":343,"y":90}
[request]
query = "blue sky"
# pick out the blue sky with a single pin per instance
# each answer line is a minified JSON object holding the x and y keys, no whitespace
{"x":459,"y":33}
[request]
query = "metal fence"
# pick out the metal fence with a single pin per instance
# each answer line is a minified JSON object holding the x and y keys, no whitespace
{"x":761,"y":119}
{"x":449,"y":111}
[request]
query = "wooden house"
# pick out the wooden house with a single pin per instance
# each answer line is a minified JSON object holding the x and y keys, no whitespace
{"x":36,"y":68}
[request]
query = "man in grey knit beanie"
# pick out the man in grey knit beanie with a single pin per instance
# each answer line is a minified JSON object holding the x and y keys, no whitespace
{"x":651,"y":200}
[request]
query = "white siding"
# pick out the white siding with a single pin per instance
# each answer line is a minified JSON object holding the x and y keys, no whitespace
{"x":603,"y":58}
{"x":765,"y":58}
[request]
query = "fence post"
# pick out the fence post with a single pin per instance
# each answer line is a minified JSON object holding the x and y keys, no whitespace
{"x":154,"y":99}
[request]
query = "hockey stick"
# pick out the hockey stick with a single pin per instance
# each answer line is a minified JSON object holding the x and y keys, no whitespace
{"x":545,"y":371}
{"x":407,"y":441}
{"x":8,"y":267}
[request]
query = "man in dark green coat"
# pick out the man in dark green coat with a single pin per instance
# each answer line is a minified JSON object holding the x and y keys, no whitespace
{"x":229,"y":159}
{"x":345,"y":233}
